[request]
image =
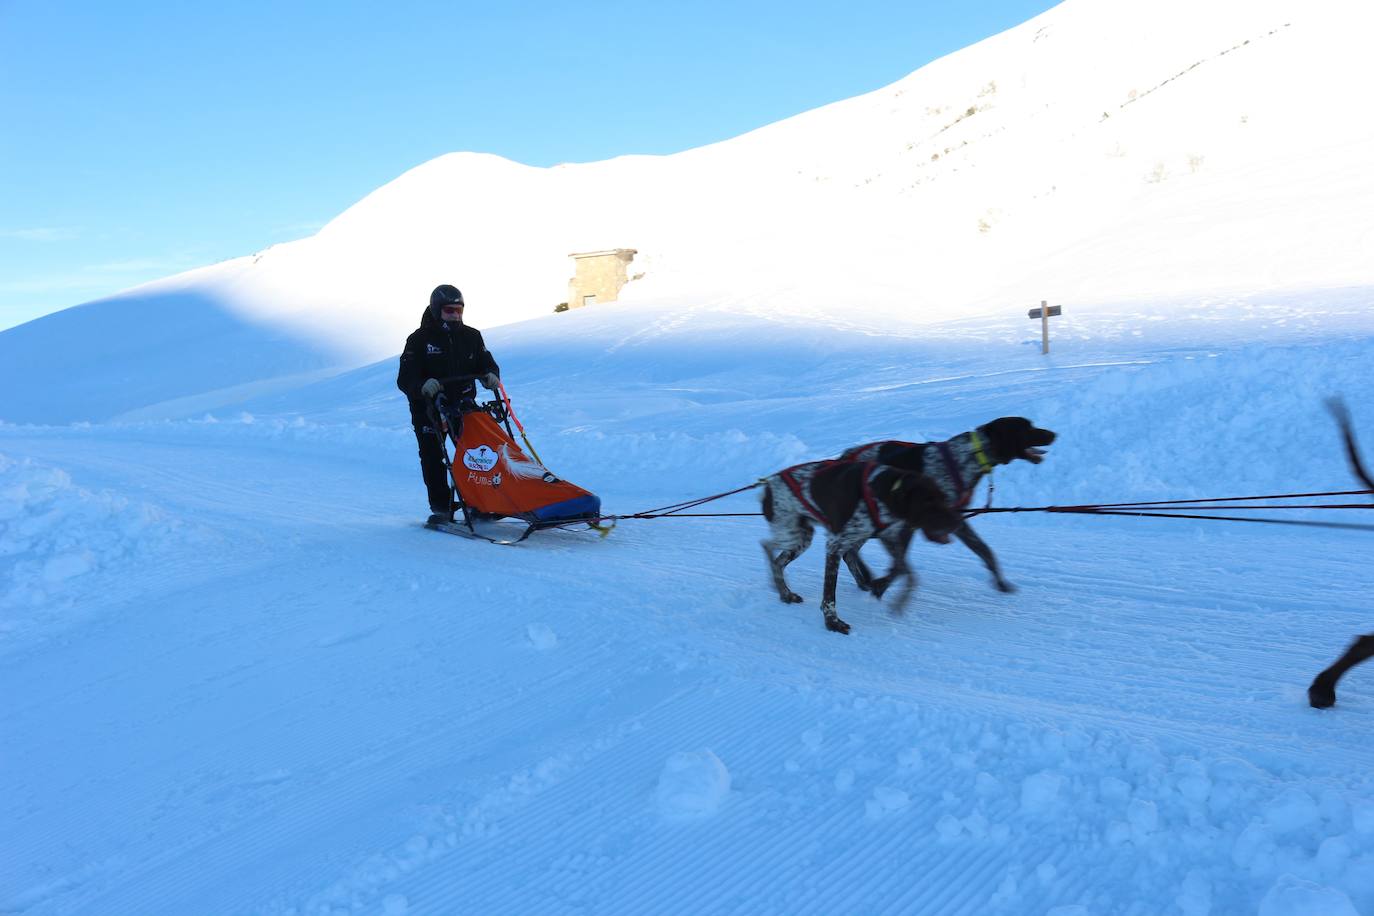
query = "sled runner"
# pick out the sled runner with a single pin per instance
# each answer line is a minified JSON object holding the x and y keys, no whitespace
{"x":500,"y":493}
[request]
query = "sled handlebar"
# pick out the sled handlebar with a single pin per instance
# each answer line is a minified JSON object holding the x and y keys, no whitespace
{"x":459,"y":379}
{"x":497,"y":405}
{"x":500,"y":403}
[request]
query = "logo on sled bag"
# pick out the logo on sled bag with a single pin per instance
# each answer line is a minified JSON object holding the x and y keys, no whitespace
{"x":481,"y":458}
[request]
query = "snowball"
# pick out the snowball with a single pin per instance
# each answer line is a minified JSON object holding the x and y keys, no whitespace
{"x":1362,"y":816}
{"x":1040,"y":792}
{"x":66,"y":566}
{"x":1195,"y":896}
{"x":1006,"y":891}
{"x":1143,"y":815}
{"x":692,"y":785}
{"x":976,"y":824}
{"x":1293,"y":810}
{"x":1251,"y":842}
{"x":1292,"y":896}
{"x":1195,"y":788}
{"x":1332,"y":856}
{"x":886,"y":800}
{"x":1113,"y":789}
{"x":910,"y":759}
{"x":541,"y":637}
{"x":949,"y":827}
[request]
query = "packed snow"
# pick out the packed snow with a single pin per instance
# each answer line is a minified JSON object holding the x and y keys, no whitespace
{"x":246,"y":679}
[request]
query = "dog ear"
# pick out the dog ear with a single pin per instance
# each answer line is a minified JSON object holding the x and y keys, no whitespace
{"x":1008,"y":437}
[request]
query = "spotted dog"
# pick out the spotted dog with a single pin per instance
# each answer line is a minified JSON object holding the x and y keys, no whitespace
{"x":956,"y":466}
{"x":854,"y":501}
{"x":1322,"y":692}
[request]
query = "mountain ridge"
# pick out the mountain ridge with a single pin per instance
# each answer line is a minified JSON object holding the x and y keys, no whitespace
{"x":1091,"y":154}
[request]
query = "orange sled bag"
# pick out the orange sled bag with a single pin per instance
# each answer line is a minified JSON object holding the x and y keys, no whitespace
{"x":492,"y":476}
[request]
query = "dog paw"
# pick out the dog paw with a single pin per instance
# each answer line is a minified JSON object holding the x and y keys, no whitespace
{"x":792,"y":598}
{"x":836,"y":625}
{"x":1321,"y":696}
{"x":1005,"y":587}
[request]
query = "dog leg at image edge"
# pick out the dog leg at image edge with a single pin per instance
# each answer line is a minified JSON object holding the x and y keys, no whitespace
{"x":1322,"y":693}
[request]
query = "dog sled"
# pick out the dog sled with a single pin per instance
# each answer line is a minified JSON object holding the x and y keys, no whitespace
{"x":501,"y":494}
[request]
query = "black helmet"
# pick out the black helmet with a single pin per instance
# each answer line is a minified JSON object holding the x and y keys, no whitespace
{"x":444,"y":295}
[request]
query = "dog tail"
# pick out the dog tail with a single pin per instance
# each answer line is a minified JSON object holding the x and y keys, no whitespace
{"x":768,"y":501}
{"x":1342,"y":415}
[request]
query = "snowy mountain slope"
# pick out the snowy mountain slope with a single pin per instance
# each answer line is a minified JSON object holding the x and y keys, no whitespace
{"x":1098,"y":152}
{"x":247,"y":681}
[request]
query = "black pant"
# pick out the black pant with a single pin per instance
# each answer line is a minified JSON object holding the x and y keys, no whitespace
{"x":432,"y":466}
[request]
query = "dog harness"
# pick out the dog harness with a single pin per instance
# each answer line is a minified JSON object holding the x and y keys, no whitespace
{"x":798,"y":489}
{"x":956,"y":476}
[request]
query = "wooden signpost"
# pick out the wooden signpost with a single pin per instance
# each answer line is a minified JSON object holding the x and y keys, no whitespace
{"x":1045,"y":313}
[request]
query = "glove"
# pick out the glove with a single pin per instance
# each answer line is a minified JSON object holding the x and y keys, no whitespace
{"x":431,"y":388}
{"x":491,"y":381}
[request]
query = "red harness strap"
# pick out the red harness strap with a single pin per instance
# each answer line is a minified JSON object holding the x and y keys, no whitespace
{"x":965,"y":492}
{"x":798,"y":490}
{"x":874,"y":513}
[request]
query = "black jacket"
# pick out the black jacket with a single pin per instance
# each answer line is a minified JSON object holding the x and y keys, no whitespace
{"x":439,"y":349}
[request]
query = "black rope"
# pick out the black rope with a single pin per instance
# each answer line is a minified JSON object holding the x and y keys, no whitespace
{"x":675,"y":508}
{"x":1138,"y":509}
{"x":1187,"y":503}
{"x":685,"y":515}
{"x":1347,"y":526}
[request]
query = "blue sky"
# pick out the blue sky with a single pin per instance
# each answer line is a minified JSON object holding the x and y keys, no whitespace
{"x":144,"y":139}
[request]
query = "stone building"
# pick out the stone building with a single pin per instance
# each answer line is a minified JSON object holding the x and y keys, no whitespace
{"x":599,"y":276}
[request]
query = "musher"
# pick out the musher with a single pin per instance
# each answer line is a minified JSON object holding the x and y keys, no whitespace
{"x":440,"y":348}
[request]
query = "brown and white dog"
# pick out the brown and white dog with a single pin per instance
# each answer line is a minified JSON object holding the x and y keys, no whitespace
{"x":854,"y":501}
{"x":956,"y":466}
{"x":1322,"y":692}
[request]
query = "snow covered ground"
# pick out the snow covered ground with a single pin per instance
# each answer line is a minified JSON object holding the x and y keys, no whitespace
{"x":241,"y":678}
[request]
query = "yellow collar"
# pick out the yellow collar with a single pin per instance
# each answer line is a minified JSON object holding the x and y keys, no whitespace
{"x":979,"y":454}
